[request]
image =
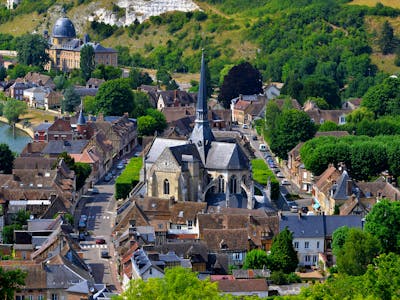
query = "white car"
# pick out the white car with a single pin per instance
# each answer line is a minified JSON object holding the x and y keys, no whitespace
{"x":285,"y":182}
{"x":280,"y":175}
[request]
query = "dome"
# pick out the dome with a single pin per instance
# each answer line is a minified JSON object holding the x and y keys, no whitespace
{"x":64,"y":29}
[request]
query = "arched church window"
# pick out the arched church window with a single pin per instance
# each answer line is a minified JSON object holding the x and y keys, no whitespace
{"x":166,"y":187}
{"x":221,"y":184}
{"x":233,"y":184}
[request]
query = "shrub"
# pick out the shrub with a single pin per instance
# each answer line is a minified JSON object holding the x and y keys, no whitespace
{"x":128,"y":178}
{"x":261,"y":173}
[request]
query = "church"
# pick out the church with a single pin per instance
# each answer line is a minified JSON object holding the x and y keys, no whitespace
{"x":201,"y":168}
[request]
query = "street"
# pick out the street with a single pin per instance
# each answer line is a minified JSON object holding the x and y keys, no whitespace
{"x":100,"y":212}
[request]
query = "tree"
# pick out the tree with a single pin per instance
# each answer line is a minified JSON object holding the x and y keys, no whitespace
{"x":141,"y":104}
{"x":360,"y":114}
{"x":339,"y":238}
{"x":292,"y":127}
{"x":358,"y":251}
{"x":87,"y":62}
{"x":32,"y":50}
{"x":161,"y":122}
{"x":89,"y":104}
{"x":323,"y":87}
{"x":10,"y":282}
{"x":272,"y":113}
{"x":13,"y":109}
{"x":383,"y":222}
{"x":61,"y":82}
{"x":177,"y":284}
{"x":115,"y":97}
{"x":386,"y":39}
{"x":241,"y":79}
{"x":256,"y":259}
{"x":8,"y":233}
{"x":137,"y":78}
{"x":6,"y":159}
{"x":82,"y":172}
{"x":146,"y":125}
{"x":3,"y":73}
{"x":283,"y":257}
{"x":328,"y":126}
{"x":71,"y":99}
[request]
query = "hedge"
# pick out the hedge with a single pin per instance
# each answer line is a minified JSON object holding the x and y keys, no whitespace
{"x":261,"y":173}
{"x":128,"y":178}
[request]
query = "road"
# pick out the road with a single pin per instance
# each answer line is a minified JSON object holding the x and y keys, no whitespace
{"x":100,"y":210}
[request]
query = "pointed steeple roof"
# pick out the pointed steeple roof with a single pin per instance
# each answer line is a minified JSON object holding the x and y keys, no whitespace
{"x":202,"y":135}
{"x":81,"y":118}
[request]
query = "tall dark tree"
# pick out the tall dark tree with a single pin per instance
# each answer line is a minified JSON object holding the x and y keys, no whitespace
{"x":6,"y":159}
{"x":387,"y":40}
{"x":137,"y":78}
{"x":241,"y":79}
{"x":71,"y":99}
{"x":87,"y":63}
{"x":283,"y":256}
{"x":3,"y":73}
{"x":115,"y":97}
{"x":31,"y":49}
{"x":10,"y":282}
{"x":320,"y":86}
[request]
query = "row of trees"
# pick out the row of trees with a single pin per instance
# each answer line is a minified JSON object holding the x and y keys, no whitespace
{"x":364,"y":156}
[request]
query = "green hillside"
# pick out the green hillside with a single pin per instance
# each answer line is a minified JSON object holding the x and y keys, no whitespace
{"x":294,"y":41}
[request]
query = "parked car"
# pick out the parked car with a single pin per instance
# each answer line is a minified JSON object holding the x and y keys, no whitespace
{"x":94,"y":190}
{"x":294,"y":208}
{"x":245,"y":126}
{"x":82,"y":224}
{"x":120,"y":166}
{"x":285,"y":182}
{"x":84,"y":218}
{"x":100,"y":241}
{"x":82,"y":236}
{"x":262,"y":147}
{"x":304,"y":209}
{"x":280,"y":175}
{"x":105,"y":254}
{"x":254,"y":137}
{"x":108,"y":177}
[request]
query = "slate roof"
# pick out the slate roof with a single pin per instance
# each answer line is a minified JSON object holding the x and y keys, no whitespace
{"x":72,"y":147}
{"x":43,"y":126}
{"x":326,"y":179}
{"x":182,"y":151}
{"x":319,"y":115}
{"x":40,"y":163}
{"x":158,"y":146}
{"x":228,"y":239}
{"x":341,"y":187}
{"x":304,"y":226}
{"x":317,"y":226}
{"x":226,"y":156}
{"x":63,"y":28}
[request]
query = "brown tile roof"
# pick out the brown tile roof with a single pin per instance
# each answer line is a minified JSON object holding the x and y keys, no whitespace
{"x":229,"y":239}
{"x":281,"y":102}
{"x":175,"y":113}
{"x":33,"y":148}
{"x":326,"y":115}
{"x":242,"y":105}
{"x":39,"y":79}
{"x":326,"y":179}
{"x":44,"y":163}
{"x":379,"y":189}
{"x":36,"y":275}
{"x":183,"y":211}
{"x":243,"y":285}
{"x":60,"y":125}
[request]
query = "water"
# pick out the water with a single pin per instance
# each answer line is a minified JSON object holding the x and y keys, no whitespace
{"x":16,"y":143}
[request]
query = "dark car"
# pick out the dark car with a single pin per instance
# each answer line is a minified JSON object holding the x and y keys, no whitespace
{"x":100,"y":241}
{"x":82,"y":236}
{"x":105,"y":254}
{"x":254,"y":137}
{"x":304,"y":209}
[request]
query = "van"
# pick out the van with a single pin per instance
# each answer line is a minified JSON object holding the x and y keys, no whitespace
{"x":262,"y":147}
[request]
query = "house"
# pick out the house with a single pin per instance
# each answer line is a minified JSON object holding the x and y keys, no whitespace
{"x":273,"y":90}
{"x":53,"y":100}
{"x":312,"y":235}
{"x":35,"y":96}
{"x":143,"y":267}
{"x":246,"y":108}
{"x":241,"y":287}
{"x":293,"y":103}
{"x":152,"y":92}
{"x":175,"y":98}
{"x":40,"y":132}
{"x":61,"y":129}
{"x":319,"y":116}
{"x":40,"y":80}
{"x":352,"y":104}
{"x":17,"y":89}
{"x":94,"y":83}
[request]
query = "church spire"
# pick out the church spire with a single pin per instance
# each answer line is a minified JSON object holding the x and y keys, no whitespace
{"x":81,"y":118}
{"x":202,"y":135}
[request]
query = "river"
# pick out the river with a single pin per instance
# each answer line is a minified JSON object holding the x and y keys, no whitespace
{"x":16,"y":143}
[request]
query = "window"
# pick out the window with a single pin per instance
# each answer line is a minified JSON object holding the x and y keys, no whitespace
{"x":237,"y":256}
{"x":166,"y":187}
{"x":306,"y":245}
{"x":233,"y":185}
{"x":307,"y":258}
{"x":178,"y":227}
{"x":20,"y":297}
{"x":315,"y":258}
{"x":221,"y":184}
{"x":30,"y":297}
{"x":190,"y":223}
{"x":40,"y":297}
{"x":296,"y":245}
{"x":317,"y":245}
{"x":54,"y":297}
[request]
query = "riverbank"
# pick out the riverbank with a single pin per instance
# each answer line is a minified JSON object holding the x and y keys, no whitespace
{"x":27,"y":130}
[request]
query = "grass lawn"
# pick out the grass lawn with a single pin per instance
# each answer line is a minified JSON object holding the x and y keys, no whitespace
{"x":35,"y":117}
{"x":391,"y":3}
{"x":21,"y":24}
{"x":261,"y":172}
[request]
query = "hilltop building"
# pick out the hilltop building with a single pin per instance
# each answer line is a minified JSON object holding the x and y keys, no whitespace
{"x":65,"y":48}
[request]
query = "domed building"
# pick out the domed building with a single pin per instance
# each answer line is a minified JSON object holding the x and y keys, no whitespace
{"x":65,"y":48}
